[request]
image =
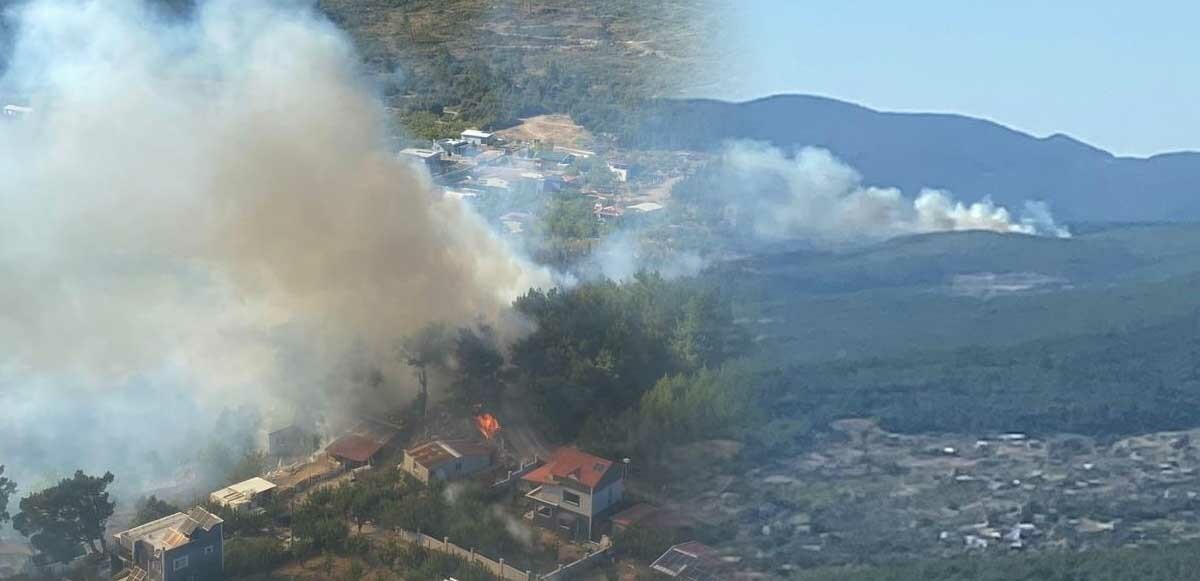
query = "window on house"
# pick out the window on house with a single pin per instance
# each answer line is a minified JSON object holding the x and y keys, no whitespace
{"x":545,"y":511}
{"x":570,"y":498}
{"x":209,"y":550}
{"x":180,"y":563}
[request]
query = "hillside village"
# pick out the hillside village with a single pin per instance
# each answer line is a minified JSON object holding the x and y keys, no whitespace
{"x":856,"y":490}
{"x":495,"y":169}
{"x":791,"y":406}
{"x":573,"y":498}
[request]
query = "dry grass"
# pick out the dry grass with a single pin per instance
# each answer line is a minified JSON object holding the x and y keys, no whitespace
{"x":325,"y":568}
{"x":556,"y":129}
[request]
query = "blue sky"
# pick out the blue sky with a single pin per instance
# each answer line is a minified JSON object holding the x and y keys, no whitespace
{"x":1123,"y":76}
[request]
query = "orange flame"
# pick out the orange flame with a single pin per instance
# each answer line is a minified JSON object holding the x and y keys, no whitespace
{"x":488,"y":425}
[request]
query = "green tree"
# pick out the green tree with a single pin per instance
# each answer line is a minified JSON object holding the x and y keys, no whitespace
{"x":251,"y":464}
{"x":427,"y":348}
{"x":479,"y":362}
{"x":599,"y":346}
{"x":7,"y":488}
{"x":152,"y":509}
{"x":246,"y":556}
{"x":319,"y":521}
{"x":706,"y":404}
{"x":703,"y":331}
{"x":74,"y":511}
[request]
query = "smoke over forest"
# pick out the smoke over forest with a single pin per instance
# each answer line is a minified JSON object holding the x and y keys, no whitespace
{"x":207,"y":214}
{"x":204,"y":214}
{"x":813,"y":196}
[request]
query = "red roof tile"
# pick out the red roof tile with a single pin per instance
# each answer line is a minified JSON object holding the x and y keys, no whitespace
{"x":354,"y":447}
{"x":571,"y":463}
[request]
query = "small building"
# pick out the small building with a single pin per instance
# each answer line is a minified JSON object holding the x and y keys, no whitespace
{"x":645,"y":207}
{"x":607,"y":212}
{"x":548,"y":157}
{"x":430,"y":158}
{"x":692,"y":561}
{"x":245,"y":495}
{"x":451,"y":146}
{"x":622,"y":171}
{"x":573,"y":490}
{"x":290,"y":442}
{"x":364,"y":444}
{"x":477,"y":137}
{"x":447,"y":460}
{"x":185,"y":546}
{"x":354,"y":451}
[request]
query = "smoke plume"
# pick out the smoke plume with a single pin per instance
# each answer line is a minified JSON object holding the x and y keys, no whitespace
{"x":814,"y":196}
{"x":205,"y":213}
{"x":622,"y":254}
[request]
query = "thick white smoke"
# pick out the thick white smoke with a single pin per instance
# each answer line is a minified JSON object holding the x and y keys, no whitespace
{"x":621,"y":255}
{"x":208,"y":208}
{"x":814,"y":196}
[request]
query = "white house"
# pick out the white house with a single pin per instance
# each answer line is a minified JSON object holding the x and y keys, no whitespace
{"x":430,"y":158}
{"x":447,"y":460}
{"x":243,"y":495}
{"x":572,"y":491}
{"x":477,"y":137}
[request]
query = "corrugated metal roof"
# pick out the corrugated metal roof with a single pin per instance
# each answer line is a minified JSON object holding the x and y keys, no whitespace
{"x":438,"y":452}
{"x":354,"y":447}
{"x":691,"y":560}
{"x":170,"y":531}
{"x":204,"y":519}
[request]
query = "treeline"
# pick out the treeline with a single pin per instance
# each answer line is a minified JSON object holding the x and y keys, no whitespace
{"x":628,"y":368}
{"x":495,"y":92}
{"x":1155,"y":563}
{"x":1115,"y":383}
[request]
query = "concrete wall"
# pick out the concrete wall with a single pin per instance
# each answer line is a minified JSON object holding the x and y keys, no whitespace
{"x":589,"y":504}
{"x":418,"y":471}
{"x":460,"y":467}
{"x":498,"y":567}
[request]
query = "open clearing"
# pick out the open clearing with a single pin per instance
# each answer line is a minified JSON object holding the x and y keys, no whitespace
{"x":556,"y":129}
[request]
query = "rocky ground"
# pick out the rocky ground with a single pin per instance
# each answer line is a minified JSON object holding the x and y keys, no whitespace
{"x":866,"y":494}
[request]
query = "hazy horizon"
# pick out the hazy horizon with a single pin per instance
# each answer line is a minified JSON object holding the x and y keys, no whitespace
{"x":1111,"y":76}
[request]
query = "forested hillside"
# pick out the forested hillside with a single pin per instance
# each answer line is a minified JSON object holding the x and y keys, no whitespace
{"x":975,"y":332}
{"x":470,"y":63}
{"x":969,"y":156}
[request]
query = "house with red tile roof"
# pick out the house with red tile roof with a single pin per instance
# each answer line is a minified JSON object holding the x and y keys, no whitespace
{"x":572,"y":491}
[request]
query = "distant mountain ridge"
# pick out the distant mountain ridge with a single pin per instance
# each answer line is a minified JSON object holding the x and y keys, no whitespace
{"x":971,"y":157}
